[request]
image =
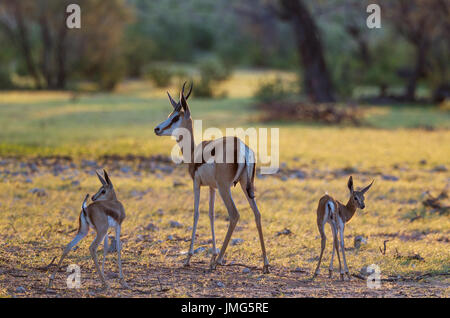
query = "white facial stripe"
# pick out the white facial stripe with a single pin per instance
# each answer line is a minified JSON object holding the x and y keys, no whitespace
{"x":167,"y":126}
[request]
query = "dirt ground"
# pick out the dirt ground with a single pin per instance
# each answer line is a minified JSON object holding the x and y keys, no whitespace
{"x":161,"y":280}
{"x":37,"y":224}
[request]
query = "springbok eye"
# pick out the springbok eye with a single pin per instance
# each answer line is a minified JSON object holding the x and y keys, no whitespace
{"x":176,"y":118}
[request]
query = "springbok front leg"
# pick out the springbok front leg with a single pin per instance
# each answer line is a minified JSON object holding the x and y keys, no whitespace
{"x":233,"y":214}
{"x":257,"y":214}
{"x":105,"y":251}
{"x":212,"y":197}
{"x":336,"y":246}
{"x":119,"y":260}
{"x":341,"y":227}
{"x":196,"y":216}
{"x":330,"y":269}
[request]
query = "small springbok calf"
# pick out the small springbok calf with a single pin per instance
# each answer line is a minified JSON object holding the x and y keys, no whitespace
{"x":104,"y":212}
{"x":337,"y":214}
{"x":219,"y":173}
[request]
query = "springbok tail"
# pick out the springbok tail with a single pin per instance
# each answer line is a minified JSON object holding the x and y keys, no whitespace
{"x":240,"y":162}
{"x":84,"y":205}
{"x":246,"y":160}
{"x":329,"y":207}
{"x":250,"y":163}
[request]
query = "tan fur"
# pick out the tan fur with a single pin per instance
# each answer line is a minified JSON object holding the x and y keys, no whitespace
{"x":337,"y":215}
{"x":215,"y":175}
{"x":105,"y":211}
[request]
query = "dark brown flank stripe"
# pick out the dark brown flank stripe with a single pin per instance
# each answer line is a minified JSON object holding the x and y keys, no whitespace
{"x":213,"y":153}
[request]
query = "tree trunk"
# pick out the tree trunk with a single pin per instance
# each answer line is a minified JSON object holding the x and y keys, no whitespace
{"x":317,"y":82}
{"x":61,"y":52}
{"x":418,"y":72}
{"x":24,"y":43}
{"x":46,"y":50}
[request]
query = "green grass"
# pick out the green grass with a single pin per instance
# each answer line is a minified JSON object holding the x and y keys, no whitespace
{"x":60,"y":125}
{"x":410,"y":116}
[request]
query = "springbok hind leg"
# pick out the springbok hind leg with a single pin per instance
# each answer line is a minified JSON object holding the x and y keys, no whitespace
{"x":119,"y":259}
{"x":93,"y":249}
{"x":233,"y":213}
{"x":257,"y":214}
{"x":81,"y":234}
{"x":322,"y":248}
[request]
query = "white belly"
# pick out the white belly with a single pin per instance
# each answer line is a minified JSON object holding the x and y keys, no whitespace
{"x":205,"y":174}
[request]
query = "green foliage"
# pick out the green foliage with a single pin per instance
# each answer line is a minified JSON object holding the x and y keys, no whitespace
{"x":5,"y":79}
{"x":6,"y":57}
{"x":160,"y":75}
{"x":275,"y":90}
{"x":212,"y":71}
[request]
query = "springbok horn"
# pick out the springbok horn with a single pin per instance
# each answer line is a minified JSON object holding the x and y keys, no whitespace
{"x":190,"y":90}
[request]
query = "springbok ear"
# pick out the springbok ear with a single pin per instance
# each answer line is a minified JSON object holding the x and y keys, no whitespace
{"x":100,"y":178}
{"x":108,"y":181}
{"x":350,"y":184}
{"x":175,"y":105}
{"x":367,"y":188}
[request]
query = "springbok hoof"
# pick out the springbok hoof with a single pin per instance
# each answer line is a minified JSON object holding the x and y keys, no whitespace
{"x":124,"y":284}
{"x":105,"y":288}
{"x":330,"y":273}
{"x":187,"y":262}
{"x":266,"y":269}
{"x":212,"y":263}
{"x":342,"y":277}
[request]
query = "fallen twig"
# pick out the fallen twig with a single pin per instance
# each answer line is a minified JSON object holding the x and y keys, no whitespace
{"x":161,"y":289}
{"x":383,"y":252}
{"x":401,"y":278}
{"x":389,"y":279}
{"x":239,"y":264}
{"x":50,"y":264}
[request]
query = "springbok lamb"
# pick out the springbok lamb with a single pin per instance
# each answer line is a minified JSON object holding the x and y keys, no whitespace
{"x":337,"y":215}
{"x":104,"y":212}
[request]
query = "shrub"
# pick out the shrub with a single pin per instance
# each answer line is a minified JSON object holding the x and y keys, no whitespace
{"x":161,"y":76}
{"x":274,"y":90}
{"x":212,"y":71}
{"x":5,"y":79}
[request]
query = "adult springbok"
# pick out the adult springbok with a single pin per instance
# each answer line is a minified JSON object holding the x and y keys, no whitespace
{"x":337,"y":214}
{"x":218,"y":164}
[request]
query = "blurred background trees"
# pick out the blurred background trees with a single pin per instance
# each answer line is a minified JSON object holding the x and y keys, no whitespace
{"x":326,"y":42}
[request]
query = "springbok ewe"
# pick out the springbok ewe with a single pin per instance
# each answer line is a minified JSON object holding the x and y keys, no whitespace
{"x":229,"y":161}
{"x":337,"y":214}
{"x":104,"y":212}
